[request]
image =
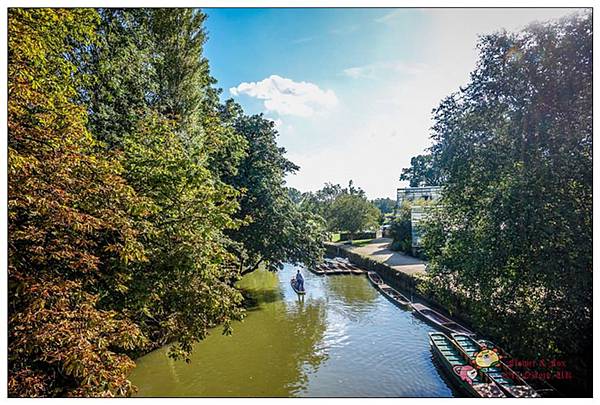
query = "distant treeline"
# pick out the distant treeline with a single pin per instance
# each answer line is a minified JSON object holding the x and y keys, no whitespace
{"x":342,"y":209}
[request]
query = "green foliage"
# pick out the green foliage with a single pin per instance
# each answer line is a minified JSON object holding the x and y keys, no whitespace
{"x":189,"y":269}
{"x":352,"y":213}
{"x":277,"y":230}
{"x":71,"y":232}
{"x":422,"y":172}
{"x":136,"y":199}
{"x":385,"y":205}
{"x":151,"y":75}
{"x":295,"y":195}
{"x":122,"y":68}
{"x":513,"y":238}
{"x":342,"y":209}
{"x":401,"y":230}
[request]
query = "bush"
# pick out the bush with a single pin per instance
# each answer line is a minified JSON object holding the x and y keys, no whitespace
{"x":401,"y":232}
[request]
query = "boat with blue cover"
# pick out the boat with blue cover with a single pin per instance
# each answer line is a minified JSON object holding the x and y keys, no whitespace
{"x":458,"y":366}
{"x":489,"y":361}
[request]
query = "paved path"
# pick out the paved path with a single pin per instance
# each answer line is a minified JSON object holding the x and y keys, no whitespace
{"x":378,"y":250}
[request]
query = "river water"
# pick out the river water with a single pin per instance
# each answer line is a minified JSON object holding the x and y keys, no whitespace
{"x":342,"y":339}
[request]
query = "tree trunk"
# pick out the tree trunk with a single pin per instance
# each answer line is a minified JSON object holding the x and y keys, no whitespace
{"x":249,"y":270}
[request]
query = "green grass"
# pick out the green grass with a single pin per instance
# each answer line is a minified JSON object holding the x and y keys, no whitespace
{"x":335,"y":237}
{"x":361,"y":242}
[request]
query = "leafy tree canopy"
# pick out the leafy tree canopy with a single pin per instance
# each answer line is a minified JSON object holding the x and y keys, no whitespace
{"x":136,"y":198}
{"x":513,"y":238}
{"x":422,"y":172}
{"x":71,"y":221}
{"x":385,"y":205}
{"x":352,"y":213}
{"x":276,"y":230}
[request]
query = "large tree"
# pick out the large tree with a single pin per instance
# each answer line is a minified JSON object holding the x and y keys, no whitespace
{"x":352,"y":213}
{"x":123,"y":79}
{"x":71,"y":232}
{"x":422,"y":172}
{"x":385,"y":205}
{"x":116,"y":223}
{"x":276,"y":230}
{"x":512,"y":240}
{"x":150,"y":71}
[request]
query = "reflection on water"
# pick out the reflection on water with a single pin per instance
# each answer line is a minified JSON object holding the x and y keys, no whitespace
{"x":342,"y":339}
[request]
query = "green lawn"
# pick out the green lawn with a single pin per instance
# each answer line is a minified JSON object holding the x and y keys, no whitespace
{"x":335,"y":237}
{"x":361,"y":242}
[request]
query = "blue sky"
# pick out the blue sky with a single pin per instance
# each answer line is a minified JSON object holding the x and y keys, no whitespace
{"x":315,"y":44}
{"x":351,"y":90}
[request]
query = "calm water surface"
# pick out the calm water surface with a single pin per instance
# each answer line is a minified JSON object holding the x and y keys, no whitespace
{"x":342,"y":339}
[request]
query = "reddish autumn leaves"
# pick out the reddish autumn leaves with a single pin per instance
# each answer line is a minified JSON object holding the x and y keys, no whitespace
{"x":69,"y":228}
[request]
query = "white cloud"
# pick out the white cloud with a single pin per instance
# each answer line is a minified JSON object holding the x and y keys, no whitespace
{"x":385,"y":69}
{"x":302,"y":40}
{"x":287,"y":97}
{"x":389,"y":16}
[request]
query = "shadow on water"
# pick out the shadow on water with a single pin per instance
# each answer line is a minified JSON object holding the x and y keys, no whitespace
{"x":253,"y":299}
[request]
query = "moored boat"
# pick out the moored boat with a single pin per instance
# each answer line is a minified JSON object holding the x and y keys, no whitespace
{"x":458,"y":366}
{"x":395,"y":297}
{"x":332,"y":269}
{"x":318,"y":269}
{"x":540,"y":385}
{"x":489,"y":362}
{"x":439,"y":320}
{"x":375,"y":279}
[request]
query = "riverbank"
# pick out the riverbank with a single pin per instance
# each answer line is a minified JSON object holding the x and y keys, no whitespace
{"x":378,"y":250}
{"x":398,"y":270}
{"x":402,"y":272}
{"x":406,"y":274}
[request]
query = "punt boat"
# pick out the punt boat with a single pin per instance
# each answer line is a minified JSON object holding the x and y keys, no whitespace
{"x":346,"y":266}
{"x":542,"y":387}
{"x":491,"y":364}
{"x":395,"y":297}
{"x":439,"y":320}
{"x":318,"y":269}
{"x":375,"y":279}
{"x":293,"y":284}
{"x":463,"y":374}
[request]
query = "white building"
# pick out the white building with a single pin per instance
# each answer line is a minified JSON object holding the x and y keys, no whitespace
{"x":415,"y":193}
{"x":417,"y":211}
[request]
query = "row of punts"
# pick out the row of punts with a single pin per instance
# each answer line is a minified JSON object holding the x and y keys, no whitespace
{"x":475,"y":366}
{"x":478,"y":369}
{"x":336,"y":266}
{"x":429,"y":315}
